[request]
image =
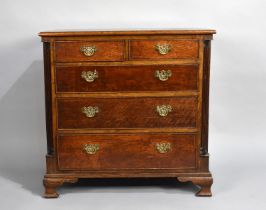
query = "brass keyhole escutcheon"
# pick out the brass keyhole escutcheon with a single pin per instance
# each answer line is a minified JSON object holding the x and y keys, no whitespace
{"x":90,"y":111}
{"x":89,"y":76}
{"x":163,"y":147}
{"x":163,"y":75}
{"x":88,"y":50}
{"x":163,"y":110}
{"x":91,"y":148}
{"x":163,"y":49}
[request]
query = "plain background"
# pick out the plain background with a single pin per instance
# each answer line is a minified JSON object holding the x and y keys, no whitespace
{"x":237,"y":101}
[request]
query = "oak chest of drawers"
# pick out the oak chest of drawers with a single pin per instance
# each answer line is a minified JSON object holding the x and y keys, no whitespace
{"x":127,"y":104}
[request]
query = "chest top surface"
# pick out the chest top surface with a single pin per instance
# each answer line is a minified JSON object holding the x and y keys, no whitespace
{"x":128,"y":32}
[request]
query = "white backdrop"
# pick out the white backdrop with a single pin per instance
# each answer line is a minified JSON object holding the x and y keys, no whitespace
{"x":237,"y":100}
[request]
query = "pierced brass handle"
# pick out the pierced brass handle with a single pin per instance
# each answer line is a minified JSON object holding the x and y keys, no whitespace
{"x":90,"y":111}
{"x":163,"y":110}
{"x":88,"y":50}
{"x":91,"y":148}
{"x":89,"y":76}
{"x":163,"y":75}
{"x":163,"y":49}
{"x":163,"y":147}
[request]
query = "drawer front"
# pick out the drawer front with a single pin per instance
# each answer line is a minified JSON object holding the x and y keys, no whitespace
{"x":90,"y":51}
{"x":163,"y":49}
{"x":149,"y":151}
{"x":85,"y":113}
{"x":127,"y":78}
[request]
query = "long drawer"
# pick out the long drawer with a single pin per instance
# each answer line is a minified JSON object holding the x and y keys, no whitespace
{"x":149,"y":112}
{"x":124,"y":151}
{"x":127,"y":78}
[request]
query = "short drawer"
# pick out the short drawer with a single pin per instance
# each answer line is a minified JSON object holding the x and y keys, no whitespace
{"x":150,"y":112}
{"x":124,"y":151}
{"x":127,"y":78}
{"x":163,"y":49}
{"x":74,"y":51}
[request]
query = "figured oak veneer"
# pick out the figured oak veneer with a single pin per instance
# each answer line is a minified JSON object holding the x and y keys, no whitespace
{"x":127,"y":104}
{"x":145,"y":49}
{"x":116,"y":152}
{"x":127,"y":113}
{"x":104,"y":51}
{"x":127,"y":78}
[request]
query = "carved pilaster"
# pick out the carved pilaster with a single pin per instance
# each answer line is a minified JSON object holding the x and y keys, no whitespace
{"x":205,"y":98}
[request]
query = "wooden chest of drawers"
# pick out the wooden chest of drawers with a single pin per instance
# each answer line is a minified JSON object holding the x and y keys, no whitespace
{"x":127,"y":104}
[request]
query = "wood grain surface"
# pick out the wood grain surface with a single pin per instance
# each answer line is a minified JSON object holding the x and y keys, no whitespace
{"x":145,"y":49}
{"x":127,"y":78}
{"x":127,"y":113}
{"x":126,"y":151}
{"x":106,"y":51}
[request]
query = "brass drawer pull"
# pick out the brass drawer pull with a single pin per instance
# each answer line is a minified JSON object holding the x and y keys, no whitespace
{"x":163,"y":147}
{"x":88,"y":50}
{"x":91,"y":148}
{"x":89,"y":76}
{"x":163,"y":75}
{"x":163,"y":49}
{"x":163,"y":110}
{"x":90,"y":111}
